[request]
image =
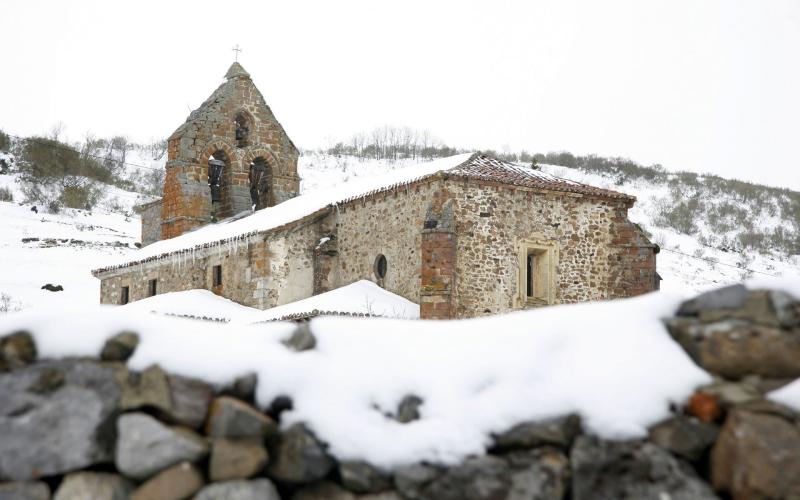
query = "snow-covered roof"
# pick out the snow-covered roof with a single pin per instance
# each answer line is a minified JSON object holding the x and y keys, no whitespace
{"x":465,"y":166}
{"x":362,"y":298}
{"x":196,"y":304}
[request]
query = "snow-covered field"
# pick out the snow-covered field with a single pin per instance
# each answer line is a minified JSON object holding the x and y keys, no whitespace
{"x":73,"y":242}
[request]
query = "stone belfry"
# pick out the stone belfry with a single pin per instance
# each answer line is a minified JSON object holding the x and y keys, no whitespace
{"x":231,"y":155}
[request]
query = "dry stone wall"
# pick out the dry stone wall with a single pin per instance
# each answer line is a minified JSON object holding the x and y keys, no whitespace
{"x":92,"y":428}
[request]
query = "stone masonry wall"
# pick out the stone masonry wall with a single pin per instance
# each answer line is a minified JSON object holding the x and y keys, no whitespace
{"x":261,"y":271}
{"x":211,"y":128}
{"x":492,"y":220}
{"x":151,"y":221}
{"x":388,"y":224}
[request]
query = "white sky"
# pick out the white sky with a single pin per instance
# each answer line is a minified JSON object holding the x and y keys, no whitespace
{"x":691,"y":84}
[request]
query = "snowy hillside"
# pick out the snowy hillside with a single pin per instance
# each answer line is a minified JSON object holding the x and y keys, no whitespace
{"x":61,"y":248}
{"x":39,"y":247}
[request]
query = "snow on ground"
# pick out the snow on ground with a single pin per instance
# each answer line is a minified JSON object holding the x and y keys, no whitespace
{"x":611,"y":362}
{"x":61,"y":249}
{"x":363,"y":298}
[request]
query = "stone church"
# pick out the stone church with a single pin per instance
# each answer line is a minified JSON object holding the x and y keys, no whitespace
{"x":465,"y":236}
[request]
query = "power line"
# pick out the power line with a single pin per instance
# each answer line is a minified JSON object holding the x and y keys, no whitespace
{"x":720,"y":263}
{"x":68,"y":148}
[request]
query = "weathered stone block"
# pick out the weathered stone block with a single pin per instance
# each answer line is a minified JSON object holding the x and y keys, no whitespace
{"x":59,"y":428}
{"x":145,"y":446}
{"x":297,"y":457}
{"x":94,"y":486}
{"x":757,"y":455}
{"x":178,"y":482}
{"x":558,"y":431}
{"x":231,"y":418}
{"x":24,"y":490}
{"x":257,"y":489}
{"x":611,"y":470}
{"x":236,"y":459}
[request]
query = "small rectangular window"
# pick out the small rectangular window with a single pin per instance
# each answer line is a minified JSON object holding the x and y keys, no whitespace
{"x":217,"y":275}
{"x":124,"y":295}
{"x":152,"y":287}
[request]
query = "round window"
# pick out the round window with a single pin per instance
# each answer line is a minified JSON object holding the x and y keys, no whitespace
{"x":380,"y":266}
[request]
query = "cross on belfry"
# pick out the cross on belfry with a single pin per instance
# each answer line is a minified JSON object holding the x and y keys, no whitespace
{"x":236,"y":50}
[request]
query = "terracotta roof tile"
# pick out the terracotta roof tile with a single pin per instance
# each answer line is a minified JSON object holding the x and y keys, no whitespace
{"x":487,"y":168}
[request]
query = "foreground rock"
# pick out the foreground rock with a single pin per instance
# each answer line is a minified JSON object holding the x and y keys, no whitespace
{"x":734,"y":332}
{"x":93,"y":485}
{"x":16,"y":351}
{"x":191,"y":399}
{"x":120,"y":347}
{"x":258,"y":489}
{"x":360,"y":477}
{"x":555,"y":431}
{"x":297,"y":457}
{"x":146,"y":446}
{"x":684,"y":436}
{"x":326,"y":490}
{"x":480,"y":478}
{"x":231,"y":418}
{"x":24,"y":490}
{"x":176,"y":483}
{"x":757,"y":455}
{"x":146,"y":389}
{"x":56,"y":417}
{"x":609,"y":470}
{"x":236,"y":459}
{"x":540,"y":474}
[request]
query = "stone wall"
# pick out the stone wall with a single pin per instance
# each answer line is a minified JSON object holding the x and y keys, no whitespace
{"x":389,"y":224}
{"x":259,"y":271}
{"x":492,"y":220}
{"x":151,"y":221}
{"x":92,"y":428}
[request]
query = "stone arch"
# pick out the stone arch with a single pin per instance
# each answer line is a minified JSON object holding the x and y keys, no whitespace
{"x":261,"y":165}
{"x":219,"y":181}
{"x":244,"y":124}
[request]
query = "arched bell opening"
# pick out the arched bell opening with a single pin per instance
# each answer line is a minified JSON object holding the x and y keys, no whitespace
{"x":260,"y":177}
{"x":219,"y":174}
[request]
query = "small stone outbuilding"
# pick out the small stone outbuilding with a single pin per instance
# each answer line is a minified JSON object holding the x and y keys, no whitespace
{"x":464,"y":236}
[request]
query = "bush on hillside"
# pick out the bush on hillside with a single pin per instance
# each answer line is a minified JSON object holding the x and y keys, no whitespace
{"x":79,"y":192}
{"x":5,"y":141}
{"x":49,"y":159}
{"x":6,"y":194}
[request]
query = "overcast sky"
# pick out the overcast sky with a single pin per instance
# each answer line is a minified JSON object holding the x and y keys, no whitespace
{"x":691,"y":84}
